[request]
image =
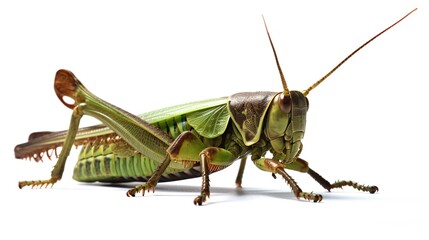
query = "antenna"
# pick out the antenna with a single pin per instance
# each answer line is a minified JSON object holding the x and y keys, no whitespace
{"x":305,"y":92}
{"x":285,"y":88}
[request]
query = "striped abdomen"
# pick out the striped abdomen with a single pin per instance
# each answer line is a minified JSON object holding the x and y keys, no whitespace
{"x":113,"y":160}
{"x":101,"y":163}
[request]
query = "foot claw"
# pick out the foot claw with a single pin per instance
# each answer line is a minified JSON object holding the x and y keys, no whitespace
{"x":311,"y":197}
{"x":131,"y":192}
{"x":373,"y":189}
{"x":318,"y":198}
{"x":199,"y":200}
{"x":141,"y":188}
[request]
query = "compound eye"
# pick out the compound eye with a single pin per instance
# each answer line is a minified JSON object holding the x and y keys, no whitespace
{"x":285,"y":103}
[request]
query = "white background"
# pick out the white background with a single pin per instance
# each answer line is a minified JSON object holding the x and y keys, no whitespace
{"x":367,"y":122}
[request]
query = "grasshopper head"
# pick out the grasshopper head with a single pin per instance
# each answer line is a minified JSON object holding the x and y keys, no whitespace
{"x":285,"y":124}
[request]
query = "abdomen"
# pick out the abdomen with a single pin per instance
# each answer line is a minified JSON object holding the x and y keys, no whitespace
{"x":113,"y":160}
{"x":105,"y":166}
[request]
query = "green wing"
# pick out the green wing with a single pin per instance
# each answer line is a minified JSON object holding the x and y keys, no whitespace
{"x":158,"y":115}
{"x":210,"y":122}
{"x":208,"y":117}
{"x":202,"y":114}
{"x":170,"y":112}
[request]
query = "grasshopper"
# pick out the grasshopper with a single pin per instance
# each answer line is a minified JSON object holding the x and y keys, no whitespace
{"x":185,"y":141}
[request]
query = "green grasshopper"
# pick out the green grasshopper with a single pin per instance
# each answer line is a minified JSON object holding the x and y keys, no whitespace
{"x":185,"y":141}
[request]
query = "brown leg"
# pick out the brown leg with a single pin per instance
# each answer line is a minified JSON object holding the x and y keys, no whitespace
{"x":205,"y":187}
{"x":277,"y":167}
{"x":301,"y":165}
{"x":339,"y":184}
{"x":239,"y":178}
{"x":211,"y":158}
{"x":153,"y":180}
